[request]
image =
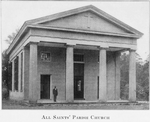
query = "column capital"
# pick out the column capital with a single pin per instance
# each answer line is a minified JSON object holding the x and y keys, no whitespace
{"x":70,"y":45}
{"x":132,"y":50}
{"x":104,"y":47}
{"x":33,"y":43}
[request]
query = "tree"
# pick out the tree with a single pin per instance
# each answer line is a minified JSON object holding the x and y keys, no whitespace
{"x":5,"y":85}
{"x":124,"y":69}
{"x":142,"y":77}
{"x":6,"y":68}
{"x":143,"y":81}
{"x":11,"y":36}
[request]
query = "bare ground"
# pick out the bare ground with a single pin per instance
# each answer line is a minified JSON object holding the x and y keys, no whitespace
{"x":9,"y":104}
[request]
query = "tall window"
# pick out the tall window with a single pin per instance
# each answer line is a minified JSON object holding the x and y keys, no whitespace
{"x":16,"y":74}
{"x":21,"y":84}
{"x":98,"y":87}
{"x":10,"y":75}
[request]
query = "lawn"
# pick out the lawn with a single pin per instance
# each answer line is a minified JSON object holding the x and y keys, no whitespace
{"x":9,"y":104}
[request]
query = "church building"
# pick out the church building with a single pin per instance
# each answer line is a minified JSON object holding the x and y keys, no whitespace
{"x":78,"y":51}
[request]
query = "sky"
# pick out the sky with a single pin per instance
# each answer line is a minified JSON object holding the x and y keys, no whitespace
{"x":135,"y":14}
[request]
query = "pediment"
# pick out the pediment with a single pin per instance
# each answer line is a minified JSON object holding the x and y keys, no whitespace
{"x":87,"y":18}
{"x":86,"y":21}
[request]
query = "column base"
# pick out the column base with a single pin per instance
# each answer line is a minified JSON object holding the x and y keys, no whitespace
{"x":130,"y":100}
{"x":69,"y":101}
{"x":33,"y":101}
{"x":103,"y":100}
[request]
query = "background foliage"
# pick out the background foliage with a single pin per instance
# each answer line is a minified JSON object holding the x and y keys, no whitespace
{"x":142,"y":77}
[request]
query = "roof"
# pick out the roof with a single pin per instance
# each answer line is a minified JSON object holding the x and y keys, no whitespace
{"x":34,"y":22}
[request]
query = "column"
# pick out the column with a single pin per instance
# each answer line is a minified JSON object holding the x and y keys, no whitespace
{"x":26,"y":55}
{"x":102,"y":75}
{"x":33,"y":93}
{"x":69,"y":74}
{"x":117,"y":92}
{"x":132,"y":76}
{"x":12,"y":75}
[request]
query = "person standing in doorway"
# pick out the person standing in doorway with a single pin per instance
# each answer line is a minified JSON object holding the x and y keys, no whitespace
{"x":55,"y":93}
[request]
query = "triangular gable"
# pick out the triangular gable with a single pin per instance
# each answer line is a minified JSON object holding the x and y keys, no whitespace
{"x":120,"y":27}
{"x":89,"y":18}
{"x":86,"y":21}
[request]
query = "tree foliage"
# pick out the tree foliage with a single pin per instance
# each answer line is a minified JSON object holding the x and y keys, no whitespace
{"x":11,"y":36}
{"x":142,"y":81}
{"x":124,"y":69}
{"x":5,"y":74}
{"x":6,"y":84}
{"x":142,"y":77}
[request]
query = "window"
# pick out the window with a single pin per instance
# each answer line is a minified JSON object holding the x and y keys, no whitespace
{"x":10,"y":75}
{"x":98,"y":87}
{"x":16,"y":74}
{"x":78,"y":57}
{"x":21,"y":84}
{"x":45,"y":56}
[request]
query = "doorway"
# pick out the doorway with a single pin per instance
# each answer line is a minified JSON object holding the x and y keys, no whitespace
{"x":78,"y":81}
{"x":45,"y":86}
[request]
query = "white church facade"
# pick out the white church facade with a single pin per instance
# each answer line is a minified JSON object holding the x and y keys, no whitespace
{"x":78,"y":51}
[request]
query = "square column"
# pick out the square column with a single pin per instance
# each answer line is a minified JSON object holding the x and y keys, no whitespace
{"x":132,"y":76}
{"x":26,"y":55}
{"x":69,"y":74}
{"x":33,"y":93}
{"x":102,"y":75}
{"x":117,"y":64}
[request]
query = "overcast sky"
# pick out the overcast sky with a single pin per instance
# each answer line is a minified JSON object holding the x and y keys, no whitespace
{"x":135,"y":14}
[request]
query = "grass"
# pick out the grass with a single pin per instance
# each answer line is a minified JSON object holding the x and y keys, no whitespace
{"x":10,"y":104}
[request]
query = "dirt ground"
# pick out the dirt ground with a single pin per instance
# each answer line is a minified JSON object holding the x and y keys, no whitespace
{"x":9,"y":104}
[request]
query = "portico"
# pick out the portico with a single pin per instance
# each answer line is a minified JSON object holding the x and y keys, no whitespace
{"x":78,"y":51}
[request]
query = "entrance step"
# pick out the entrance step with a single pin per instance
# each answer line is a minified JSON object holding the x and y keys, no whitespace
{"x":87,"y":102}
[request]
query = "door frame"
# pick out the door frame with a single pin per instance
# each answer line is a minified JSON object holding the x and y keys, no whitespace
{"x":82,"y":83}
{"x":50,"y":87}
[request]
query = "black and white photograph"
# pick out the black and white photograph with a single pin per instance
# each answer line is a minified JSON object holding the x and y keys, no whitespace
{"x":75,"y":61}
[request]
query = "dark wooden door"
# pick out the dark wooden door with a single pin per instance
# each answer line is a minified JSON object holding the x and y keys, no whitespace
{"x":78,"y":81}
{"x":78,"y":87}
{"x":45,"y":86}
